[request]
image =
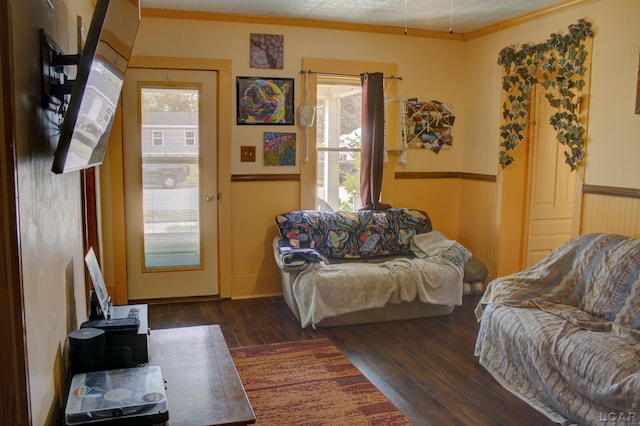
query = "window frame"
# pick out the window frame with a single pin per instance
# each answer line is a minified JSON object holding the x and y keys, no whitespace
{"x":311,"y":69}
{"x":332,"y":115}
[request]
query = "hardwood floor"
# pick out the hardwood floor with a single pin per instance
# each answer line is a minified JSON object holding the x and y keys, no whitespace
{"x":426,"y":367}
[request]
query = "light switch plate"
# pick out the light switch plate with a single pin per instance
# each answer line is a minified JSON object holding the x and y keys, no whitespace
{"x":247,"y":153}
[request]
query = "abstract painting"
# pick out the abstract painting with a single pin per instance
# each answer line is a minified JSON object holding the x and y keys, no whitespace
{"x":279,"y":149}
{"x":266,"y":51}
{"x":263,"y":100}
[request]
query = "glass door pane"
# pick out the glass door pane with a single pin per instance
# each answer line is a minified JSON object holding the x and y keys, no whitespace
{"x":171,"y":177}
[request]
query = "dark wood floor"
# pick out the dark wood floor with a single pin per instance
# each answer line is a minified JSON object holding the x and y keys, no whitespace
{"x":426,"y":367}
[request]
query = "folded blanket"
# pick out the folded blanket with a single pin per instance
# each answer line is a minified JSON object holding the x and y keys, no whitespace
{"x":439,"y":249}
{"x":429,"y":244}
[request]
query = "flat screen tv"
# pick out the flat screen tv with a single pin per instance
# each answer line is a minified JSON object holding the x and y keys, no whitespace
{"x":84,"y":133}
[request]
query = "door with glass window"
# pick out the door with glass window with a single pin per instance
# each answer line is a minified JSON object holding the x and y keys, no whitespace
{"x":169,"y":155}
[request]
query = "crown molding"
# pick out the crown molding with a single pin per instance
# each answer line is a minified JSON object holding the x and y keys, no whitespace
{"x":529,"y":17}
{"x":296,"y":22}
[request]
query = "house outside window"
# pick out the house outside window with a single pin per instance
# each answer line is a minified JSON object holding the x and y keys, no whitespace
{"x":338,"y":121}
{"x":190,"y":138}
{"x":157,"y":138}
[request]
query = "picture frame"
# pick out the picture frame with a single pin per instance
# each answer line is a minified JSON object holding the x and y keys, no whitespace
{"x":279,"y":149}
{"x":428,"y":125}
{"x":264,"y":101}
{"x":266,"y":51}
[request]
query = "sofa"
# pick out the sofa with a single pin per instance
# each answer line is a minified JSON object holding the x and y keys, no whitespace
{"x":564,"y":335}
{"x":341,"y":268}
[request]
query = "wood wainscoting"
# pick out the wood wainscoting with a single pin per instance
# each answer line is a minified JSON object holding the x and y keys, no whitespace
{"x":461,"y":205}
{"x":611,"y":209}
{"x":255,"y":201}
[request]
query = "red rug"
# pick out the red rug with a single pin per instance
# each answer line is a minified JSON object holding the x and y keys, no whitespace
{"x":310,"y":382}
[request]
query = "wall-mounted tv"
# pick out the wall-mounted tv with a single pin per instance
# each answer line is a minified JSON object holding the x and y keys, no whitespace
{"x":84,"y":133}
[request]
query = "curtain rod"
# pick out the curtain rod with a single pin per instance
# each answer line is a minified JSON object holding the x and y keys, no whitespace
{"x":392,"y":77}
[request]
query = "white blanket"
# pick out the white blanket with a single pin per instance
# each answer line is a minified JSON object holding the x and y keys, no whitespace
{"x":430,"y":244}
{"x":324,"y":291}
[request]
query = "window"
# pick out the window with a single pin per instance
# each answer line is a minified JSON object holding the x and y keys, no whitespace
{"x":339,"y":104}
{"x":108,"y":112}
{"x":190,"y":138}
{"x":171,"y":184}
{"x":157,"y":137}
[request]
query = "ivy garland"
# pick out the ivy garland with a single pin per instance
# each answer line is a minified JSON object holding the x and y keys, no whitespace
{"x":559,"y":64}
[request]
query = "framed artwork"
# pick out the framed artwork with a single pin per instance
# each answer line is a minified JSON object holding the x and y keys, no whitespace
{"x":428,"y":125}
{"x":264,"y":100}
{"x":279,"y":149}
{"x":266,"y":51}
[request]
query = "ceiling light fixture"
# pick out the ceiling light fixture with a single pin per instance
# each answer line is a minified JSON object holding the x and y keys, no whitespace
{"x":405,"y":16}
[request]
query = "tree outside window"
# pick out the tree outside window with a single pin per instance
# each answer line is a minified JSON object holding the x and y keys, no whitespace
{"x":338,"y":144}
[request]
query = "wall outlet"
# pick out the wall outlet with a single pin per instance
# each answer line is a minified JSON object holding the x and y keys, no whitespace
{"x":247,"y":153}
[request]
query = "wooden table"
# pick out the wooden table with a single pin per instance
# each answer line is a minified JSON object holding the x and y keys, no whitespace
{"x":203,"y":386}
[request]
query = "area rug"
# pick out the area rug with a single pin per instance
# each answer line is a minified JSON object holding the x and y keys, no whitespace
{"x":310,"y":382}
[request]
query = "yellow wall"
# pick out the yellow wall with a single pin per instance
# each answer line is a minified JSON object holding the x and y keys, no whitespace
{"x":254,"y":203}
{"x":431,"y":69}
{"x":49,"y":206}
{"x":613,"y":128}
{"x":477,"y":227}
{"x":612,"y":148}
{"x":462,"y":73}
{"x":253,"y":226}
{"x":438,"y":197}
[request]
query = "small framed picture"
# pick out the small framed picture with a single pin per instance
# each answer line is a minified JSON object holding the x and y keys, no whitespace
{"x":267,"y":51}
{"x":279,"y":149}
{"x":265,"y":100}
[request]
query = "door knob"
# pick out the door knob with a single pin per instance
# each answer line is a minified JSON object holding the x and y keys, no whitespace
{"x":208,"y":198}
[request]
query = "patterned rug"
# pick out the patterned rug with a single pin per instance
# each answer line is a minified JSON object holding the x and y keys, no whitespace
{"x":310,"y":382}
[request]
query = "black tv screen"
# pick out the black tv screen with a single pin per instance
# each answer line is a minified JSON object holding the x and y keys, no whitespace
{"x":84,"y":133}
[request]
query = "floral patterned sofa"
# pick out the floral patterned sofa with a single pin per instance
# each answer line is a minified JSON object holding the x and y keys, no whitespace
{"x":367,"y":266}
{"x":564,"y":335}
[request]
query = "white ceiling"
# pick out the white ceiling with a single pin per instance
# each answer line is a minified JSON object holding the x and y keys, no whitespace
{"x":434,"y":15}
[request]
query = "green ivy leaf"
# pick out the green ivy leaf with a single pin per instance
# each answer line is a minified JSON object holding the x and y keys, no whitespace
{"x":554,"y":64}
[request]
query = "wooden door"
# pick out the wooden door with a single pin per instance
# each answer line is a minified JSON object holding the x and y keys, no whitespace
{"x":169,"y":122}
{"x":551,"y":187}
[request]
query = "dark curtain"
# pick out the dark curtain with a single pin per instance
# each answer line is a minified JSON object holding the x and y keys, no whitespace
{"x":372,"y":142}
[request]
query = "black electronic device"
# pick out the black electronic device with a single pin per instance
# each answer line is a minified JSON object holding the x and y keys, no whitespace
{"x":87,"y":350}
{"x":95,"y":92}
{"x":130,"y":396}
{"x":114,"y":325}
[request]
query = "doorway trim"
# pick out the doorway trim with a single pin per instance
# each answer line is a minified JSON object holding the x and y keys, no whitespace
{"x":512,"y":189}
{"x":114,"y":249}
{"x":15,"y":377}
